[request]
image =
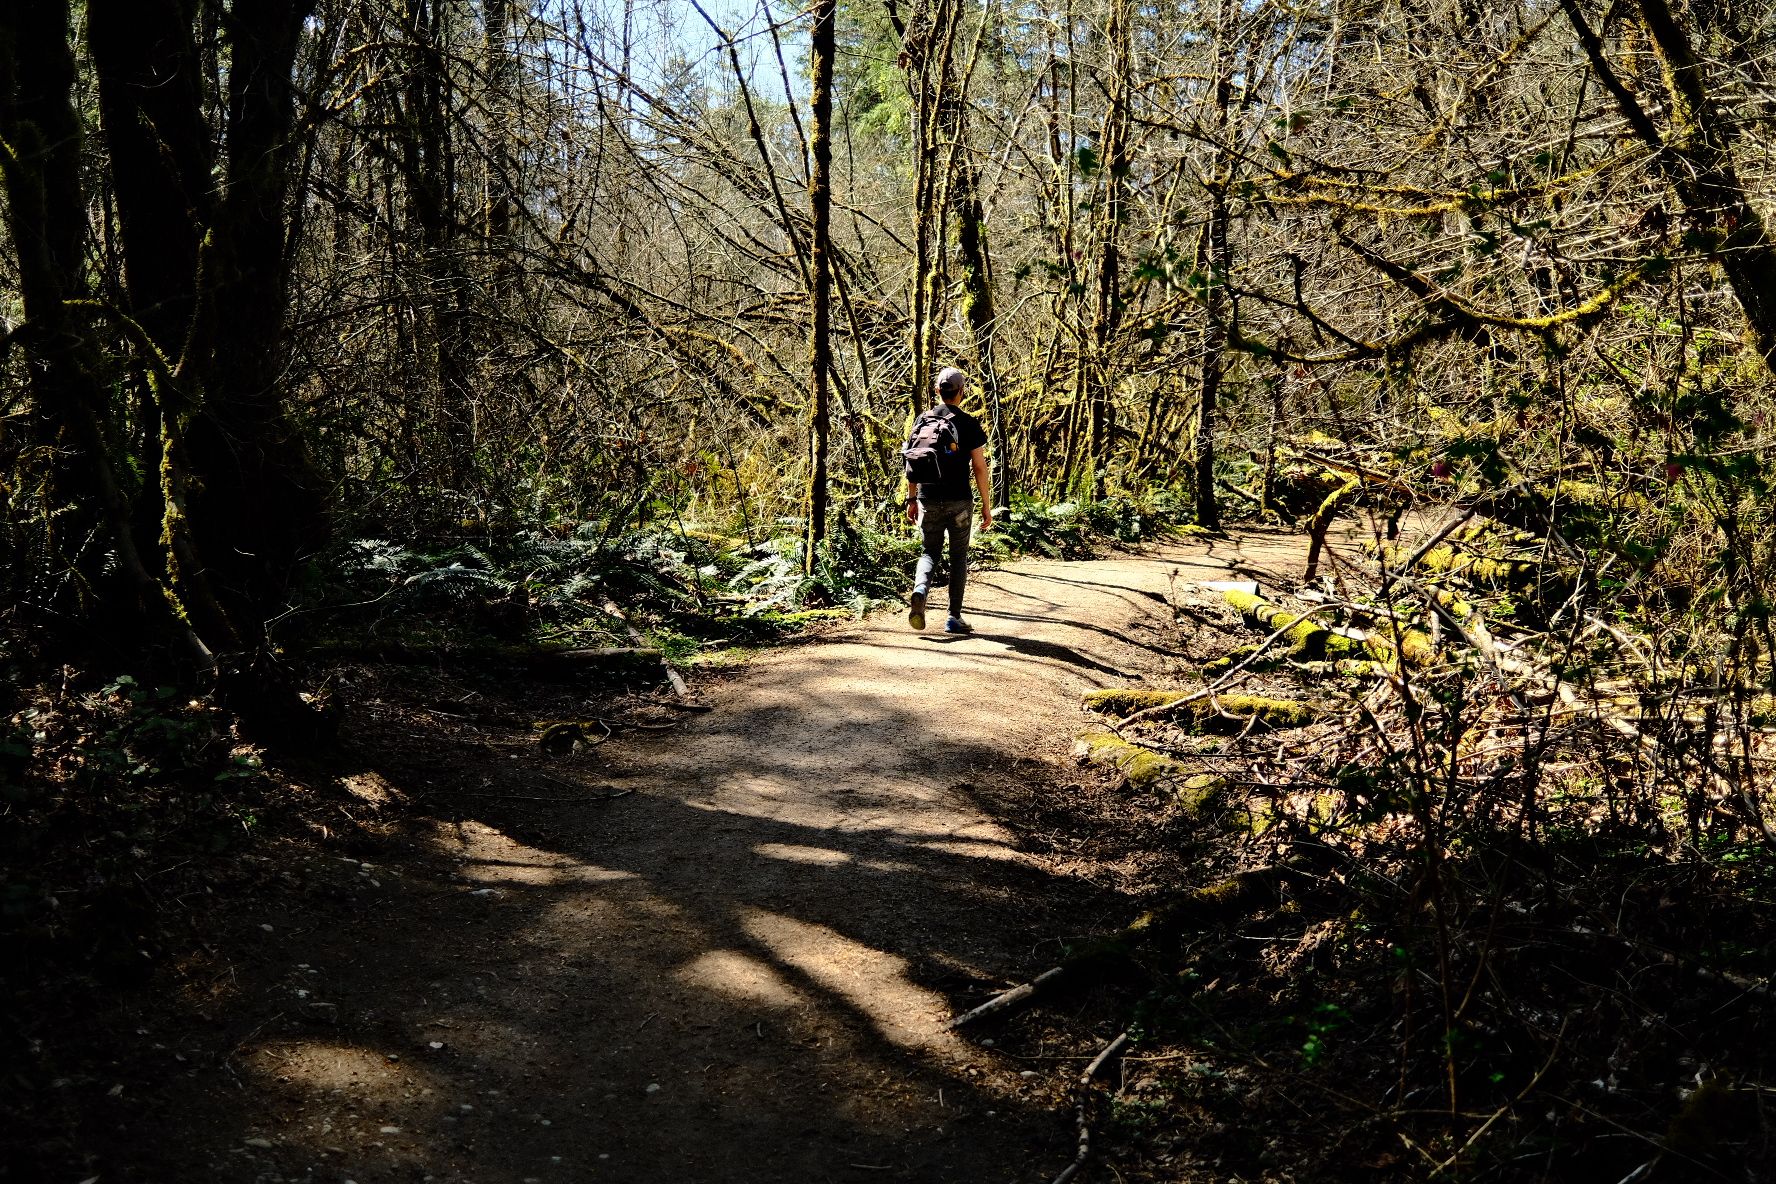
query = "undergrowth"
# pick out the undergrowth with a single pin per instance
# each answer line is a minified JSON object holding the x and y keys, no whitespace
{"x":692,"y":592}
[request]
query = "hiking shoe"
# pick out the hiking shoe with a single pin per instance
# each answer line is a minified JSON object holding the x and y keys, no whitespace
{"x":957,"y":625}
{"x":916,"y":614}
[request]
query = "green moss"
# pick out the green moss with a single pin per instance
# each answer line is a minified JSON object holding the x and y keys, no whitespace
{"x":1448,"y":560}
{"x":1276,"y":713}
{"x":1143,"y":768}
{"x":1345,"y":668}
{"x":1127,"y":700}
{"x":1150,"y":771}
{"x":1306,"y":637}
{"x":1201,"y":793}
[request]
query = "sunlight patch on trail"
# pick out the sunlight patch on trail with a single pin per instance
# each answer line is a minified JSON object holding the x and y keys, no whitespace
{"x":490,"y":856}
{"x":972,"y":849}
{"x":874,"y":983}
{"x":798,"y":854}
{"x":735,"y":975}
{"x":345,"y":1068}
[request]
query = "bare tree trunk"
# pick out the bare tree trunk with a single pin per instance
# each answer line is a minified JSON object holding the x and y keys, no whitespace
{"x":820,"y":288}
{"x":1107,"y":309}
{"x":1213,"y":257}
{"x":1214,"y":261}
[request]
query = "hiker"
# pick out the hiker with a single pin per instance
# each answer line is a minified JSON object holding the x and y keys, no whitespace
{"x":947,"y":446}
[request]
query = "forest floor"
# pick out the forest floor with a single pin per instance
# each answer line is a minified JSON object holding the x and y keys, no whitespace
{"x":717,"y":946}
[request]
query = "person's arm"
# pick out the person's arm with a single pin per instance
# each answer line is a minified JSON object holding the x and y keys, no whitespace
{"x":912,"y":506}
{"x":978,"y":459}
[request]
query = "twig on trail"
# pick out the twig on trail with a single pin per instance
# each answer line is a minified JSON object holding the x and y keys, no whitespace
{"x":1080,"y":1110}
{"x":678,"y":682}
{"x":1008,"y":998}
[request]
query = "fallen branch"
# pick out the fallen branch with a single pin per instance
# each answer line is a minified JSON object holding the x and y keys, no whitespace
{"x":678,"y":682}
{"x":1235,"y":895}
{"x":1080,"y":1116}
{"x":1009,"y":998}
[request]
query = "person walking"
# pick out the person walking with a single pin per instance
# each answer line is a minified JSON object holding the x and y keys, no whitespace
{"x":948,"y":446}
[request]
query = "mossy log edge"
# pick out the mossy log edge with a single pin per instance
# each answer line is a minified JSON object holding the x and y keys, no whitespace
{"x":1275,"y":713}
{"x":1313,"y":642}
{"x":1143,"y":769}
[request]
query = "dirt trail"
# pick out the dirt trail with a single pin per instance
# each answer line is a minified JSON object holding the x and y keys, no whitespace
{"x":739,"y":971}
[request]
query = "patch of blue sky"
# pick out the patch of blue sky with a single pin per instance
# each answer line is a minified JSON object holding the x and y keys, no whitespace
{"x":671,"y":42}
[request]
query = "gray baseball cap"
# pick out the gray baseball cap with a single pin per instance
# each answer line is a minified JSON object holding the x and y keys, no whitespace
{"x":950,"y":380}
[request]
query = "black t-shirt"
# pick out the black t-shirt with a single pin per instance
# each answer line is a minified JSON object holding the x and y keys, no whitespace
{"x":960,"y":486}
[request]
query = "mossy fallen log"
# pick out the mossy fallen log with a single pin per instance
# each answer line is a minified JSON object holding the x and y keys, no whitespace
{"x":1481,"y":529}
{"x":1311,"y":641}
{"x":1307,"y":639}
{"x":1344,"y":668}
{"x":1564,"y":504}
{"x":1450,"y":560}
{"x":1275,"y":713}
{"x":1196,"y":791}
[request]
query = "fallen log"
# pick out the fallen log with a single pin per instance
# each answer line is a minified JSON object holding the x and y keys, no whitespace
{"x":1198,"y":792}
{"x":1455,"y":560}
{"x":672,"y":676}
{"x":1308,"y":639}
{"x":1275,"y":713}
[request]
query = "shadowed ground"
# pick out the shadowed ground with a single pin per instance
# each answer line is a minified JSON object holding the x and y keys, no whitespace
{"x":740,"y":970}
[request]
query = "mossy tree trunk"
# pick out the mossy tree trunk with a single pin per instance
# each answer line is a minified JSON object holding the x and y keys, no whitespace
{"x":205,"y":261}
{"x":1107,"y":307}
{"x":1694,"y":154}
